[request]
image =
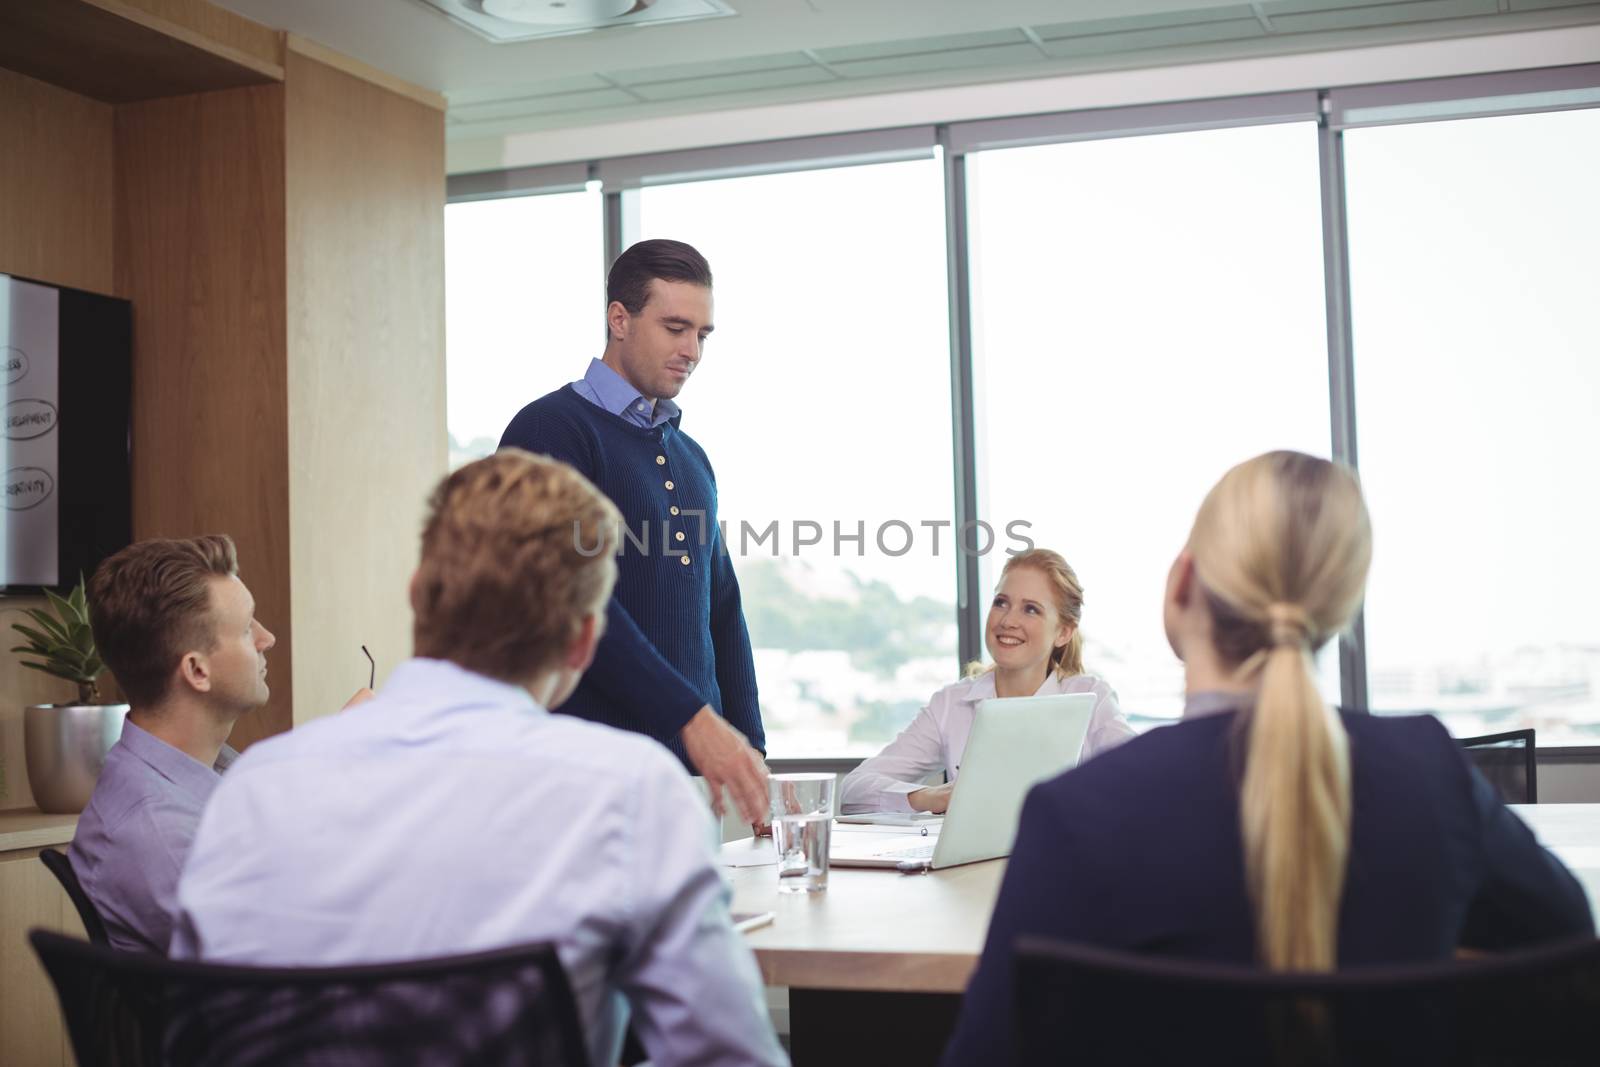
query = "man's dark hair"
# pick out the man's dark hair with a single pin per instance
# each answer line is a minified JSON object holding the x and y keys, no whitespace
{"x":150,"y":604}
{"x":629,"y":281}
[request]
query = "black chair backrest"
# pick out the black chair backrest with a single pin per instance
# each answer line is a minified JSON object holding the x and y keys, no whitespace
{"x":1509,"y":761}
{"x":59,"y":866}
{"x":509,"y":1007}
{"x":1533,"y":1009}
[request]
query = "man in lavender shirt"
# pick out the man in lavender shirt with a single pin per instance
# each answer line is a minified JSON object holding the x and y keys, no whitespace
{"x":454,"y":813}
{"x":178,"y":629}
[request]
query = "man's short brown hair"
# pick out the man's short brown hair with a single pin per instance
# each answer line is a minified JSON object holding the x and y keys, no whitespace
{"x":151,"y":603}
{"x":516,"y":550}
{"x":628,"y":280}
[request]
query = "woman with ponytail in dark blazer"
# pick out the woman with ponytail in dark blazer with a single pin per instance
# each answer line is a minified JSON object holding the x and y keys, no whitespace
{"x":1265,"y":826}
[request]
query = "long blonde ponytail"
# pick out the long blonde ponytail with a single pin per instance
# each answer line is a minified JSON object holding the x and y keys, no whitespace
{"x":1281,"y":548}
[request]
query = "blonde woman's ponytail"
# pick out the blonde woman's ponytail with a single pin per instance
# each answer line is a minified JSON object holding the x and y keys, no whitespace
{"x":1281,"y":549}
{"x":1294,"y":809}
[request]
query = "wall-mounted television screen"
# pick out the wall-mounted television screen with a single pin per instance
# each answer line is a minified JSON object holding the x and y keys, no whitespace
{"x":66,"y":360}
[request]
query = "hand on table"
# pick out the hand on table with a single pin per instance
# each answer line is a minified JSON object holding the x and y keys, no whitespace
{"x":723,"y":756}
{"x":933,"y":798}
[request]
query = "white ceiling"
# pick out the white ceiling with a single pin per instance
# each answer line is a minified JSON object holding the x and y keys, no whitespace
{"x":780,"y":50}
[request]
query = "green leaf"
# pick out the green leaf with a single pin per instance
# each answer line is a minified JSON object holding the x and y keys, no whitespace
{"x":79,"y":602}
{"x":49,"y":623}
{"x":50,"y":670}
{"x":68,"y":657}
{"x":63,"y":607}
{"x":44,"y":644}
{"x":83,"y":637}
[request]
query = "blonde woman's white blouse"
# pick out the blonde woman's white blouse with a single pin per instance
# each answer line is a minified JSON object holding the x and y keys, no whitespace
{"x":938,"y":735}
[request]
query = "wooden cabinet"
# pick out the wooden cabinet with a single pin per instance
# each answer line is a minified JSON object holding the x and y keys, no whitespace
{"x":31,"y":1031}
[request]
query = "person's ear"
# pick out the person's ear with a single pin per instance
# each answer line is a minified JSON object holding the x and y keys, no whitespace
{"x":617,"y":321}
{"x":1064,"y":634}
{"x":580,"y":652}
{"x":1181,"y":581}
{"x":194,"y":670}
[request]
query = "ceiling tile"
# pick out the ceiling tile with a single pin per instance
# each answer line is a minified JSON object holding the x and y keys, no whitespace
{"x":1376,"y":15}
{"x":733,"y":83}
{"x":920,"y":45}
{"x":541,"y":105}
{"x":1006,"y":55}
{"x":716,"y":68}
{"x":1106,"y":44}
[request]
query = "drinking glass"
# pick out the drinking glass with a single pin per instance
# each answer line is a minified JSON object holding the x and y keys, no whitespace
{"x":802,"y":818}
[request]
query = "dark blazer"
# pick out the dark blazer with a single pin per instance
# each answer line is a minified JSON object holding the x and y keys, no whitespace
{"x":1139,"y":849}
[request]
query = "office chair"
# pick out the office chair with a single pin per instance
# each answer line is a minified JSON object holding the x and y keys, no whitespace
{"x":1539,"y":1008}
{"x":509,"y":1007}
{"x":56,"y":862}
{"x":1509,"y":761}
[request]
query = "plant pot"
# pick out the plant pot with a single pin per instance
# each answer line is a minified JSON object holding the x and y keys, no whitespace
{"x":65,"y":746}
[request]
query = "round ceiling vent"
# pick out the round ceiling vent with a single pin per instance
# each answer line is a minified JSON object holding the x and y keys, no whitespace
{"x":562,"y":12}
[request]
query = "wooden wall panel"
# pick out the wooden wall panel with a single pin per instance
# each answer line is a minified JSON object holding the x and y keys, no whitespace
{"x":366,"y":367}
{"x":55,"y":185}
{"x":218,"y":28}
{"x":56,"y":226}
{"x":200,"y":252}
{"x":119,"y":53}
{"x":31,"y":1030}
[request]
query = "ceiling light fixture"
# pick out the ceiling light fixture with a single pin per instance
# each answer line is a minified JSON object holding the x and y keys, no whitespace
{"x":561,"y":12}
{"x":510,"y":21}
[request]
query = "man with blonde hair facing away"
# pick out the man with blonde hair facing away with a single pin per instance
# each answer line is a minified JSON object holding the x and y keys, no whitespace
{"x":453,"y":813}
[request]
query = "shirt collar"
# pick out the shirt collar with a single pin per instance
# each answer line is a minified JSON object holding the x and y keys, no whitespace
{"x":433,"y":684}
{"x":619,"y":397}
{"x":1213,"y":702}
{"x":176,"y":766}
{"x":982,"y":687}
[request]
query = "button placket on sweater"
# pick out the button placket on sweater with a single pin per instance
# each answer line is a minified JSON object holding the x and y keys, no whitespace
{"x":678,"y":542}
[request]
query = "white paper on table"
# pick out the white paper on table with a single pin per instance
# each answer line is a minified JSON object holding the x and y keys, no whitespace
{"x":748,"y":852}
{"x":1578,"y":857}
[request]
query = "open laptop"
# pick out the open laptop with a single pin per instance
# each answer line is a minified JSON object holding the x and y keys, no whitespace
{"x":1015,"y":743}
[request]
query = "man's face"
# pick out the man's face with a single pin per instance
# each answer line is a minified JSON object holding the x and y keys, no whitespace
{"x":238,"y":662}
{"x":661,"y":346}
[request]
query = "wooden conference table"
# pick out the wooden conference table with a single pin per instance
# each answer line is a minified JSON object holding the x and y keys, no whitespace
{"x":912,"y":941}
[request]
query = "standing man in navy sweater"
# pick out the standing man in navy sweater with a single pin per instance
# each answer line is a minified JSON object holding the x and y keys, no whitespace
{"x":675,"y":660}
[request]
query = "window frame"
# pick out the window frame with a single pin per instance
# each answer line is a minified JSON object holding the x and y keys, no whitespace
{"x":1334,"y":109}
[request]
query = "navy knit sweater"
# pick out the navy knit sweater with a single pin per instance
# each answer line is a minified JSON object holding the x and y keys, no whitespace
{"x":675,"y":635}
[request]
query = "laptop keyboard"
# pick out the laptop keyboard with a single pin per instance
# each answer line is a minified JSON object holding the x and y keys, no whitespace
{"x":914,"y":852}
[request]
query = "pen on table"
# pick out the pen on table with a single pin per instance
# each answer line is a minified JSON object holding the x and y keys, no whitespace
{"x":372,"y":673}
{"x":746,"y":923}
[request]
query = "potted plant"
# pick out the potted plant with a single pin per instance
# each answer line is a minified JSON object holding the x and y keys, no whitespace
{"x":65,"y":745}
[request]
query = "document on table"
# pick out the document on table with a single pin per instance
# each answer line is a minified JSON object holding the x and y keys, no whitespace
{"x":747,"y":852}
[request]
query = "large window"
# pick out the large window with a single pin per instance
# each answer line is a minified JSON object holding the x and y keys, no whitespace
{"x":524,"y":308}
{"x":1149,"y":311}
{"x":823,"y":402}
{"x":1476,"y":300}
{"x":1148,"y":295}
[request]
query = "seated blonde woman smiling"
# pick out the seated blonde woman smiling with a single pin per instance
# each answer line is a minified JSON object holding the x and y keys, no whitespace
{"x":1033,"y":638}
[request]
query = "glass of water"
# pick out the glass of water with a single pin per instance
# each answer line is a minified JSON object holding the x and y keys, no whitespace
{"x":802,"y":816}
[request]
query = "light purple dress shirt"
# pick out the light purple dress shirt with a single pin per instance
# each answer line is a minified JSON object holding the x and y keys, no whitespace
{"x":605,"y":388}
{"x":453,"y":814}
{"x":937,"y":737}
{"x":132,"y":839}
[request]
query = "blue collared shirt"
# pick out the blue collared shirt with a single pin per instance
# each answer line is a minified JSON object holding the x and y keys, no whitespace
{"x":134,"y":836}
{"x":453,"y":814}
{"x":605,"y":388}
